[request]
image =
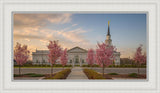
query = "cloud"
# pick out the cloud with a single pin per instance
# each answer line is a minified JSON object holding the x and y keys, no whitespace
{"x":21,"y":36}
{"x":59,"y":18}
{"x":27,"y":39}
{"x":74,"y":24}
{"x":30,"y":29}
{"x":73,"y":35}
{"x":39,"y":20}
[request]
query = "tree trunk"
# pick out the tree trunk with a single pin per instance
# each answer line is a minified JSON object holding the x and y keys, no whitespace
{"x":138,"y":69}
{"x":103,"y":71}
{"x":51,"y":70}
{"x":19,"y":70}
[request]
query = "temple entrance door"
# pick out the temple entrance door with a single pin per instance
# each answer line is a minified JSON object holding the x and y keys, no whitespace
{"x":76,"y":60}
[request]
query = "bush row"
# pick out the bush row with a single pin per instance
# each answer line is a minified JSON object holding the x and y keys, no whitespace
{"x":128,"y":66}
{"x":55,"y":65}
{"x":62,"y":74}
{"x":91,"y":74}
{"x":110,"y":66}
{"x":90,"y":65}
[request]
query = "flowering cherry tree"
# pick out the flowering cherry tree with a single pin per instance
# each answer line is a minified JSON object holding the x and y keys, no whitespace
{"x":90,"y":57}
{"x":64,"y":58}
{"x":139,"y":57}
{"x":104,"y":55}
{"x":54,"y":53}
{"x":21,"y":54}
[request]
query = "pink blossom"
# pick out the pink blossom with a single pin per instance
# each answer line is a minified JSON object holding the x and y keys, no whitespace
{"x":64,"y":58}
{"x":139,"y":57}
{"x":54,"y":51}
{"x":104,"y":54}
{"x":21,"y":54}
{"x":90,"y":57}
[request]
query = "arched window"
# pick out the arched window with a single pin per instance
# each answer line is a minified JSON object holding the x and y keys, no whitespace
{"x":77,"y":59}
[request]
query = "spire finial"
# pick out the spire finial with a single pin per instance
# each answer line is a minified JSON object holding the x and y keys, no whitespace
{"x":108,"y":29}
{"x":108,"y":23}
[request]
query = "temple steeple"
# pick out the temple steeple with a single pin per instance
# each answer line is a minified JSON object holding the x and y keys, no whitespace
{"x":108,"y":40}
{"x":108,"y":29}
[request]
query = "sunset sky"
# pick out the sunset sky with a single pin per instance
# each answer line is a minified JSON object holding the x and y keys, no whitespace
{"x":128,"y":31}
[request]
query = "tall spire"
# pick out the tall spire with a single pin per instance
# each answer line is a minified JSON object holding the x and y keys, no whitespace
{"x":108,"y":29}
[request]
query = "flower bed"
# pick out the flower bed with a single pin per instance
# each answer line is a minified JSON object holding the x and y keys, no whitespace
{"x":91,"y":74}
{"x":60,"y":75}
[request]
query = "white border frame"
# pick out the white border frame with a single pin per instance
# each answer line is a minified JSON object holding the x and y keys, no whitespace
{"x":150,"y":6}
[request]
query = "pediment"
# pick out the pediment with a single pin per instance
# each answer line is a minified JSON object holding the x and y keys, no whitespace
{"x":77,"y":50}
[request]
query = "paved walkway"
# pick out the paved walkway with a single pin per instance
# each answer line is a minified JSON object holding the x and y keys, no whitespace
{"x":77,"y":73}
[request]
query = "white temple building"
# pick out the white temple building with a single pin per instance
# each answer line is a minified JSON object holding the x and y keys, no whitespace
{"x":76,"y":55}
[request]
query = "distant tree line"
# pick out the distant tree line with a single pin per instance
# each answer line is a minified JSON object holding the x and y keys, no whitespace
{"x":127,"y":61}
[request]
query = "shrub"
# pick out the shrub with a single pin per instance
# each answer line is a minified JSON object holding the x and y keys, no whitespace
{"x":117,"y":65}
{"x":133,"y":75}
{"x":68,"y":65}
{"x":77,"y":65}
{"x":110,"y":66}
{"x":91,"y":74}
{"x":112,"y":73}
{"x":84,"y":65}
{"x":90,"y":65}
{"x":95,"y":65}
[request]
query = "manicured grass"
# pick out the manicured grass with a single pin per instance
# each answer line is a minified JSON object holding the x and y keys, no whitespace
{"x":37,"y":75}
{"x":91,"y":74}
{"x":60,"y":75}
{"x":112,"y":73}
{"x":134,"y":75}
{"x":29,"y":75}
{"x":16,"y":75}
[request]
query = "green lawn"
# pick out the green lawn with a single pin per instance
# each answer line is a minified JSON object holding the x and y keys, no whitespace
{"x":43,"y":67}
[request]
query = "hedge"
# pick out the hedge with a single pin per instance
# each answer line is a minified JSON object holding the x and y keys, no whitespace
{"x":36,"y":65}
{"x":90,"y":65}
{"x":91,"y":74}
{"x":126,"y":66}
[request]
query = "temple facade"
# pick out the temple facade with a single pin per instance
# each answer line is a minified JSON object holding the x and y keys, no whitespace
{"x":76,"y":56}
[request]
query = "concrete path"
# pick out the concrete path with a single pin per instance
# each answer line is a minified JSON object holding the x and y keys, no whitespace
{"x":77,"y":73}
